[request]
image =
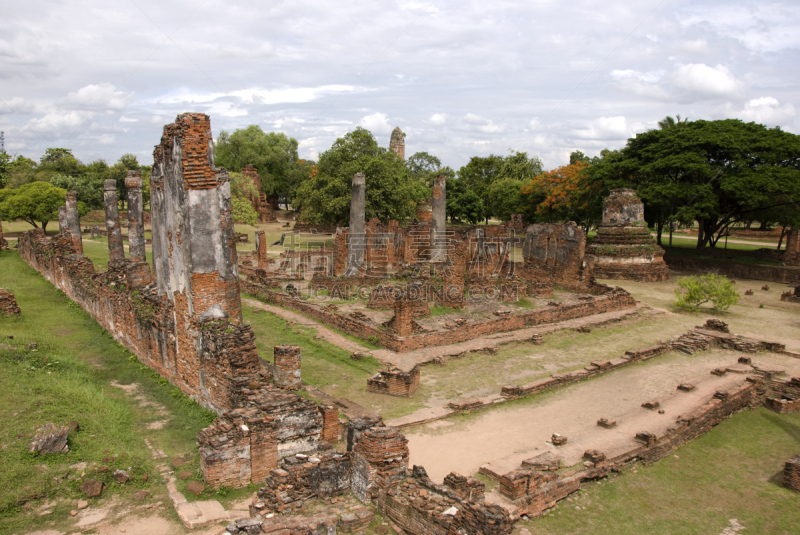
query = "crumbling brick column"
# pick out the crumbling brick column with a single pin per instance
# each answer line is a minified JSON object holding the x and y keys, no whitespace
{"x":287,"y":367}
{"x":438,"y":219}
{"x":380,"y":458}
{"x":3,"y":242}
{"x":403,"y":321}
{"x":63,"y":229}
{"x":397,"y":143}
{"x":116,"y":251}
{"x":261,"y":249}
{"x":356,"y":235}
{"x":74,"y":220}
{"x":331,"y":426}
{"x":136,"y":250}
{"x":194,"y":251}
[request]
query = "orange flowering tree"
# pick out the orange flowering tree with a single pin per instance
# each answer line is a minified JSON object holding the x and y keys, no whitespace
{"x":566,"y":193}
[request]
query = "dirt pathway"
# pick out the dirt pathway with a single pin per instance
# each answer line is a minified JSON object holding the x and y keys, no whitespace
{"x":505,"y":436}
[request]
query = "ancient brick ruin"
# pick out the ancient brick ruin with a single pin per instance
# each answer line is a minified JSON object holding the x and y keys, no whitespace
{"x":8,"y":303}
{"x":623,"y":247}
{"x":397,"y":143}
{"x":262,"y":206}
{"x":184,"y":320}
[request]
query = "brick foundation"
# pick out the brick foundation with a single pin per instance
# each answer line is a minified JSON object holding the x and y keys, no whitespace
{"x":395,"y":382}
{"x":287,"y":367}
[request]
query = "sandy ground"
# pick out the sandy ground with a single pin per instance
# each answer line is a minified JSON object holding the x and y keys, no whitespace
{"x":508,"y":435}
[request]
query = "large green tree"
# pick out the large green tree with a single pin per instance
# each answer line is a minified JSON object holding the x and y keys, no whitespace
{"x":272,"y":153}
{"x":36,"y":201}
{"x":716,"y":173}
{"x":390,"y":192}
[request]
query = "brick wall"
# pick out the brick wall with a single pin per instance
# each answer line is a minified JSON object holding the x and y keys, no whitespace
{"x":780,"y":274}
{"x":395,"y":382}
{"x":791,"y":473}
{"x":616,"y":299}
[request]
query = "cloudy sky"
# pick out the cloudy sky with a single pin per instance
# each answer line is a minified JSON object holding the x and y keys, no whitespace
{"x":461,"y":78}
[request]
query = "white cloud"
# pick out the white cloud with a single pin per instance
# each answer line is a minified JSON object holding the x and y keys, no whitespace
{"x":764,"y":110}
{"x":57,"y":122}
{"x":124,"y":119}
{"x":698,"y":81}
{"x":437,"y":119}
{"x":102,"y":95}
{"x":264,"y":50}
{"x":482,"y":125}
{"x":377,"y":123}
{"x":640,"y":83}
{"x":604,"y":128}
{"x":696,"y":46}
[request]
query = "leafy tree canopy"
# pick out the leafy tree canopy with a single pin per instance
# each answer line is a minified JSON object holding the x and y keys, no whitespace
{"x":273,"y":154}
{"x":390,"y":192}
{"x":567,"y":193}
{"x":714,"y":172}
{"x":37,"y":201}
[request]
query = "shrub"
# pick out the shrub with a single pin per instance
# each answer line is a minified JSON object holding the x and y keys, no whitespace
{"x":717,"y":289}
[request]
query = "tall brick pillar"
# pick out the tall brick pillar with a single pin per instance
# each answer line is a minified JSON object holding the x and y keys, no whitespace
{"x":3,"y":242}
{"x":403,"y":321}
{"x":438,"y":219}
{"x":74,"y":220}
{"x":62,"y":220}
{"x":138,"y":270}
{"x":116,"y":251}
{"x":194,"y":251}
{"x":331,"y":426}
{"x":287,"y":367}
{"x":261,"y":250}
{"x":397,"y":143}
{"x":357,"y":236}
{"x":133,"y":183}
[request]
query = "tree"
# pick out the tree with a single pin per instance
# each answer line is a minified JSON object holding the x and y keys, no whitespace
{"x":390,"y":192}
{"x":567,"y":193}
{"x":58,"y":160}
{"x":242,"y":190}
{"x":578,"y":156}
{"x":480,"y":173}
{"x":669,"y":122}
{"x":424,"y":167}
{"x":503,"y":198}
{"x":714,"y":172}
{"x":711,"y":288}
{"x":37,"y":201}
{"x":273,"y":154}
{"x":463,"y":204}
{"x":5,"y":167}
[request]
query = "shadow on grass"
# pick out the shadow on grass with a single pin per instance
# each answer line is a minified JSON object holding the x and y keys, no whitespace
{"x":793,"y":430}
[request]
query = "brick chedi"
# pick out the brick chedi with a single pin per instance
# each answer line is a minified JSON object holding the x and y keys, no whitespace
{"x":623,"y":247}
{"x":397,"y":143}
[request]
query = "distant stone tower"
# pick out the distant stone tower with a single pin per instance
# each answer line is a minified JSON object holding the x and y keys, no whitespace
{"x":397,"y":143}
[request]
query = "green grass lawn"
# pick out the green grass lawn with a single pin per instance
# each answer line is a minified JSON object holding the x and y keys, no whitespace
{"x":732,"y":472}
{"x":67,"y":377}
